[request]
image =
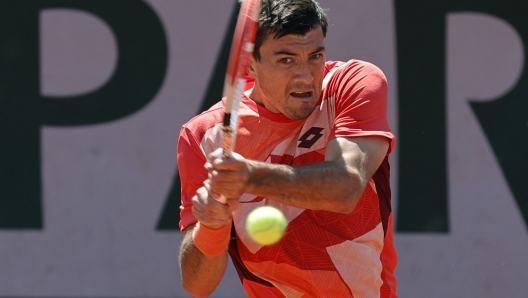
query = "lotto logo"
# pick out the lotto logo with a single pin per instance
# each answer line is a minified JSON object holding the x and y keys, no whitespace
{"x":310,"y":137}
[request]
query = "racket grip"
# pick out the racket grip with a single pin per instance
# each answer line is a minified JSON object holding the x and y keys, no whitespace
{"x":227,"y":141}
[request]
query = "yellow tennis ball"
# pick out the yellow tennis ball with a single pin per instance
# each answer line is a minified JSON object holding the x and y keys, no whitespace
{"x":266,"y":225}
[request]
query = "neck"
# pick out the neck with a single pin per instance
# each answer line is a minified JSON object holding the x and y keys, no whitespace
{"x":252,"y":94}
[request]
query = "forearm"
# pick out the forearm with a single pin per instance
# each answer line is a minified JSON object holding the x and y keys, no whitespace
{"x":336,"y":184}
{"x":331,"y":185}
{"x":200,"y":274}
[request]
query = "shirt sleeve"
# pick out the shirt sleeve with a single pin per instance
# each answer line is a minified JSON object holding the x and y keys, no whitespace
{"x":360,"y":90}
{"x":192,"y":173}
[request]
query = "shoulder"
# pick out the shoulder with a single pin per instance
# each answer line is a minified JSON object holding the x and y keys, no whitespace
{"x":354,"y":77}
{"x":355,"y":70}
{"x":205,"y":120}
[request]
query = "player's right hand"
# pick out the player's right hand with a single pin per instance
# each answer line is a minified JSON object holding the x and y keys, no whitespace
{"x":209,"y":211}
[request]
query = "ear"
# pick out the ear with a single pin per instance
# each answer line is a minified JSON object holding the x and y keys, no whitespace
{"x":251,"y":68}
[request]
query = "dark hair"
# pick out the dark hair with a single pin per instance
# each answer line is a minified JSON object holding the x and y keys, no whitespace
{"x":284,"y":17}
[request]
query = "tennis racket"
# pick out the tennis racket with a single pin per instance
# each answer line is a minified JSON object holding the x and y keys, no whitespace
{"x":239,"y":57}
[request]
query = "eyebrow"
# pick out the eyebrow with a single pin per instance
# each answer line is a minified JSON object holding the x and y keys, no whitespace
{"x":286,"y":52}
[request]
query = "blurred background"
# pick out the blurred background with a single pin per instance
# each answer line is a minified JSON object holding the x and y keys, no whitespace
{"x":93,"y":94}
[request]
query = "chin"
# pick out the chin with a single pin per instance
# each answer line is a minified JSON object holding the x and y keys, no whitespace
{"x":299,"y":113}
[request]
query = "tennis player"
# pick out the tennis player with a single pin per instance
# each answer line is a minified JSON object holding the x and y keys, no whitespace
{"x":313,"y":140}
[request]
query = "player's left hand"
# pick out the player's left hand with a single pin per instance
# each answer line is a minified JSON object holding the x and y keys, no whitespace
{"x":228,"y":176}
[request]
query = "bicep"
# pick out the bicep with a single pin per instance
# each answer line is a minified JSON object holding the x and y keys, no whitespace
{"x":361,"y":155}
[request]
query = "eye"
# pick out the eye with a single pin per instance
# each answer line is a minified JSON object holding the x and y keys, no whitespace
{"x":286,"y":60}
{"x":316,"y":56}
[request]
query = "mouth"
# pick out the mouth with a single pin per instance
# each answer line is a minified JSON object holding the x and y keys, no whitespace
{"x":302,"y":95}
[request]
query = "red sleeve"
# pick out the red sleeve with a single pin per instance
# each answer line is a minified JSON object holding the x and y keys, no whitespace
{"x":192,"y":173}
{"x":360,"y":91}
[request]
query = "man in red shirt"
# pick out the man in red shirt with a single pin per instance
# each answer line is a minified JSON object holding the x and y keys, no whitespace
{"x":313,"y":140}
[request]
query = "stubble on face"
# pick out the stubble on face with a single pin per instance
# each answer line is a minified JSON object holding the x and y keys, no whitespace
{"x":288,"y":77}
{"x":299,"y":113}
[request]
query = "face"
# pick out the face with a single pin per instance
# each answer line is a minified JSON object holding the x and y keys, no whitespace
{"x":289,"y":75}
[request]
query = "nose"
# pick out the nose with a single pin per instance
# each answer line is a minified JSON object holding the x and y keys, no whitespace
{"x":304,"y":73}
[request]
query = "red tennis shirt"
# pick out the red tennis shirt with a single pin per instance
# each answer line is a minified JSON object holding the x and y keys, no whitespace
{"x":323,"y":254}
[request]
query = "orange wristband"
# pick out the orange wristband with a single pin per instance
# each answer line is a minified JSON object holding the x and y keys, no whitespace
{"x":211,"y":242}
